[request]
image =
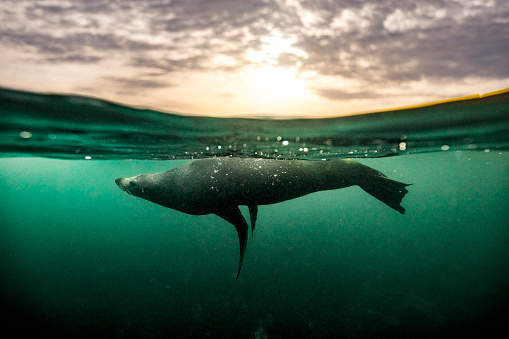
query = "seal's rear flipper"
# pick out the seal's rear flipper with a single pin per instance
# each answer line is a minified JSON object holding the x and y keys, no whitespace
{"x":253,"y":213}
{"x":234,"y":217}
{"x":390,"y":192}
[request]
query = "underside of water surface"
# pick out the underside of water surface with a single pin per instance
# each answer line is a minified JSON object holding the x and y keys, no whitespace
{"x":74,"y":127}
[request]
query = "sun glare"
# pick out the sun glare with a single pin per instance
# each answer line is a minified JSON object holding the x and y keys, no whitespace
{"x":277,"y":80}
{"x":272,"y":46}
{"x":270,"y":81}
{"x":275,"y":45}
{"x":277,"y":84}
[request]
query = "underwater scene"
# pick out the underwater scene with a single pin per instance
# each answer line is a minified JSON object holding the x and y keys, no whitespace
{"x":81,"y":258}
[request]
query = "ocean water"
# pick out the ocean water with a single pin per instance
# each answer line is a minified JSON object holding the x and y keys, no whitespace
{"x":80,"y":258}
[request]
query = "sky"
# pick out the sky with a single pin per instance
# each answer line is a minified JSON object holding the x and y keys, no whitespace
{"x":282,"y":58}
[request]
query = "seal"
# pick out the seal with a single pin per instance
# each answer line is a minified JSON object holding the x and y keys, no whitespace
{"x":220,"y":185}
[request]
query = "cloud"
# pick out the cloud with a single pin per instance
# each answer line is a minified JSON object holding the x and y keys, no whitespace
{"x":396,"y":41}
{"x":138,"y":83}
{"x":338,"y":94}
{"x":375,"y":42}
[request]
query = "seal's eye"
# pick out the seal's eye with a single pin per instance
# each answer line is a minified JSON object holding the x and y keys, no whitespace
{"x":132,"y":184}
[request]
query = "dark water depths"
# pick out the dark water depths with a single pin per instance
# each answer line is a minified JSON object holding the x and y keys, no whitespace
{"x":79,"y":257}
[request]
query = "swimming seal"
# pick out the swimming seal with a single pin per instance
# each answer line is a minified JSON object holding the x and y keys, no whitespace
{"x":220,"y":185}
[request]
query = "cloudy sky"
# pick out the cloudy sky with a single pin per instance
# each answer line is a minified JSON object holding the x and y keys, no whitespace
{"x":253,"y":57}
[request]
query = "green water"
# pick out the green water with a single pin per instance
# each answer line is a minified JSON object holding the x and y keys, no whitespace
{"x":80,"y":258}
{"x":74,"y":127}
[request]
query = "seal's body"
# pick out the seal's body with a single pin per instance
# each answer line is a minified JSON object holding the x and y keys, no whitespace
{"x":220,"y":185}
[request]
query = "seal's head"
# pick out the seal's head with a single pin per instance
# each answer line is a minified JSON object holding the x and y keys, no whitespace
{"x":149,"y":187}
{"x":134,"y":186}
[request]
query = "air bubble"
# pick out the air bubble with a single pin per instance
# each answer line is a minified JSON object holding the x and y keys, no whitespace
{"x":25,"y":135}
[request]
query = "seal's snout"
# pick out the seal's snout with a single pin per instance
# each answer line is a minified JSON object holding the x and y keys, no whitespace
{"x":124,"y":184}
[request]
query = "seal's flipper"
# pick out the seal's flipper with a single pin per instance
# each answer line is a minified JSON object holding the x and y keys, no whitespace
{"x":253,"y":213}
{"x":234,"y":217}
{"x":390,"y":192}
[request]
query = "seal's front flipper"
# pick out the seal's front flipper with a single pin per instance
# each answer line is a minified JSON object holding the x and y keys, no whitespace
{"x":234,"y":217}
{"x":390,"y":192}
{"x":253,"y":212}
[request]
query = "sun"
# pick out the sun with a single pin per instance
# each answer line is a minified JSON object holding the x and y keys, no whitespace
{"x":269,"y":80}
{"x":275,"y":81}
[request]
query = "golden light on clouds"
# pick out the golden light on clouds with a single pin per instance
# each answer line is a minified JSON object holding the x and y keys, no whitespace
{"x":280,"y":57}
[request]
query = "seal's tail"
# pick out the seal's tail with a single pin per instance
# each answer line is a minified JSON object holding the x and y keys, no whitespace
{"x":390,"y":192}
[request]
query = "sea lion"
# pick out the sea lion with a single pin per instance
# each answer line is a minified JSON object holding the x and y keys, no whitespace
{"x":220,"y":185}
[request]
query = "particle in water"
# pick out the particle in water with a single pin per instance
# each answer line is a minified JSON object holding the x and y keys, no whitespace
{"x":25,"y":135}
